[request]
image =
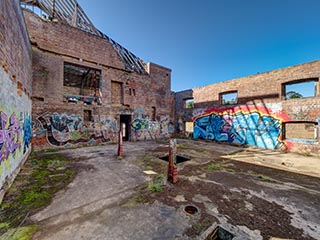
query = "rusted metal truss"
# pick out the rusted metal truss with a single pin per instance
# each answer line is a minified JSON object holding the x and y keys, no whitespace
{"x":71,"y":13}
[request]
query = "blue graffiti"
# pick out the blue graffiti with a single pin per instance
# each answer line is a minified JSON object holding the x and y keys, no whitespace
{"x":140,"y":124}
{"x":249,"y":128}
{"x":27,"y":133}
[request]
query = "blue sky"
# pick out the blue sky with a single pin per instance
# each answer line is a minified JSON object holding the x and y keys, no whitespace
{"x":208,"y":41}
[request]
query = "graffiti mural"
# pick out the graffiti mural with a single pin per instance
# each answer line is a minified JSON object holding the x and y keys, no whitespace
{"x":15,"y":127}
{"x":252,"y":127}
{"x":65,"y":130}
{"x":143,"y":128}
{"x":9,"y":135}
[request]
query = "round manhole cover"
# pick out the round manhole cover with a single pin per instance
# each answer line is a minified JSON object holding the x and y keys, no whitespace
{"x":191,"y":209}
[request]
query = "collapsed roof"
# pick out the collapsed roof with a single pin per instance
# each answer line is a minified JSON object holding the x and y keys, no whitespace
{"x":71,"y":13}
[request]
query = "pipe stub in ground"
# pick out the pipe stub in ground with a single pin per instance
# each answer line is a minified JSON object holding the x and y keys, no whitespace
{"x":191,"y":209}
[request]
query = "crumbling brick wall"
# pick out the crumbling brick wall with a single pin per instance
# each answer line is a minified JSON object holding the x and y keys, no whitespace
{"x":15,"y":91}
{"x":65,"y":116}
{"x":261,"y":114}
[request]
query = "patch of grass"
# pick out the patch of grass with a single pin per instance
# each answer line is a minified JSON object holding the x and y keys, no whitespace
{"x":160,"y":177}
{"x":215,"y":166}
{"x":264,"y":178}
{"x":23,"y":233}
{"x":40,"y":178}
{"x":155,"y":187}
{"x":230,"y":170}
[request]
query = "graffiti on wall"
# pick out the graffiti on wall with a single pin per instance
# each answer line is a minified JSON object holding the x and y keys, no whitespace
{"x":253,"y":128}
{"x":9,"y":135}
{"x":144,"y":128}
{"x":68,"y":129}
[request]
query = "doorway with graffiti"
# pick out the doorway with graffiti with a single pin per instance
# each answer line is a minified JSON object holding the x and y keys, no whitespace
{"x":125,"y":121}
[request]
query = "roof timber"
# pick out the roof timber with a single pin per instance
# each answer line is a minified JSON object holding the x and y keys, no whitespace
{"x":71,"y":13}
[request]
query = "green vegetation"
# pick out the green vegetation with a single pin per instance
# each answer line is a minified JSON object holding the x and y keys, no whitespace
{"x":40,"y":178}
{"x":264,"y":178}
{"x":23,"y":233}
{"x":155,"y":187}
{"x":215,"y":166}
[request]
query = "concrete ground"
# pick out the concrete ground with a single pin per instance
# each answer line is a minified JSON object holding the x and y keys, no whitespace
{"x":109,"y":198}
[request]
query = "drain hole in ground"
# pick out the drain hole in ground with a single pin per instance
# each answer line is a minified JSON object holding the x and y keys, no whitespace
{"x":180,"y":159}
{"x":191,"y":209}
{"x":220,"y":234}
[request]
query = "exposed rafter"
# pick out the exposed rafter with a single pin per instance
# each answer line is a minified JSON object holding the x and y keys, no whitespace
{"x":71,"y":13}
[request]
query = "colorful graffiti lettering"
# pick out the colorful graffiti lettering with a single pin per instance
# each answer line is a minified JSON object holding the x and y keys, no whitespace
{"x":9,"y":135}
{"x":63,"y":129}
{"x":140,"y":124}
{"x":251,"y":128}
{"x":27,"y":130}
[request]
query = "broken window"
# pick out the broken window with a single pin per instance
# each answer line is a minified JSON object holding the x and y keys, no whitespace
{"x":116,"y":92}
{"x":81,"y":77}
{"x":300,"y":89}
{"x":228,"y":98}
{"x":302,"y":130}
{"x":189,"y":103}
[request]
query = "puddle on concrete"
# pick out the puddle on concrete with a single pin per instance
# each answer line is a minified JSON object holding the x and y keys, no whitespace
{"x":180,"y":159}
{"x":220,"y":234}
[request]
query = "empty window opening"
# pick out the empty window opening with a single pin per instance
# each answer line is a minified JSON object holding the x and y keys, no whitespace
{"x":300,"y":89}
{"x":133,"y":92}
{"x":130,"y":91}
{"x":81,"y":77}
{"x":228,"y":98}
{"x":300,"y":130}
{"x":189,"y":103}
{"x":153,"y":114}
{"x":87,"y":116}
{"x":116,"y":92}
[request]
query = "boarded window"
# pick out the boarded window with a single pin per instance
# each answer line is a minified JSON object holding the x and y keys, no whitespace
{"x":300,"y":89}
{"x":189,"y":103}
{"x":302,"y":130}
{"x":228,"y":98}
{"x":116,"y":92}
{"x":189,"y":126}
{"x":81,"y":77}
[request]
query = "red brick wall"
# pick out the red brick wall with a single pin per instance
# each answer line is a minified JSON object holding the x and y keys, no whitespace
{"x":262,"y":92}
{"x":55,"y":43}
{"x":15,"y":90}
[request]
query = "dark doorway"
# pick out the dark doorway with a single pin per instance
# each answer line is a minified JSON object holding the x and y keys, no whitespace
{"x":125,"y":121}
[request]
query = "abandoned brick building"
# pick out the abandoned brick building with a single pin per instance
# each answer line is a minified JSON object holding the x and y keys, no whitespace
{"x":260,"y":110}
{"x":63,"y":83}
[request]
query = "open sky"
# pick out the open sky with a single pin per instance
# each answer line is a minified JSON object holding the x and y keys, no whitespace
{"x":208,"y":41}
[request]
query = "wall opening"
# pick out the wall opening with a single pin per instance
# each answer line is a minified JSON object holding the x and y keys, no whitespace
{"x":87,"y":116}
{"x":81,"y":77}
{"x":153,"y":114}
{"x":188,"y":126}
{"x":189,"y":103}
{"x":125,"y":121}
{"x":300,"y":89}
{"x":228,"y":98}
